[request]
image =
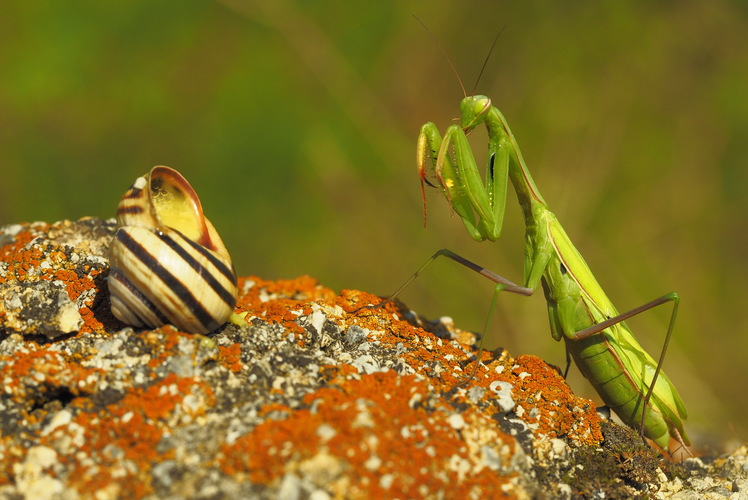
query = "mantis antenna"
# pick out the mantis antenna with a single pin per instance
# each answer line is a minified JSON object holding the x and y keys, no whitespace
{"x":485,"y":63}
{"x":449,"y":61}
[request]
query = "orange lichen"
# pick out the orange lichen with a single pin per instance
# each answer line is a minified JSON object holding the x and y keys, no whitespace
{"x":360,"y":432}
{"x":96,"y":465}
{"x":275,"y":408}
{"x":47,"y":370}
{"x":230,"y":357}
{"x":357,"y":430}
{"x":547,"y":403}
{"x":163,"y":343}
{"x":335,"y":371}
{"x":13,"y":455}
{"x":90,"y":322}
{"x":19,"y":258}
{"x":29,"y":261}
{"x":558,"y":411}
{"x":159,"y":400}
{"x":281,"y":301}
{"x":132,"y":427}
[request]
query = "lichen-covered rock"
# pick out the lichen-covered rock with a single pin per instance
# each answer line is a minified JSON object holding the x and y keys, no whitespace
{"x":40,"y":308}
{"x":50,"y":275}
{"x":317,"y":396}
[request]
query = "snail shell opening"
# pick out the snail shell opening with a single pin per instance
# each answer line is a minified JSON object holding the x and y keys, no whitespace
{"x":168,"y":264}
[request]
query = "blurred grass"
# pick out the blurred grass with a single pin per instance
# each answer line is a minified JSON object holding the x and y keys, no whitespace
{"x":296,"y":123}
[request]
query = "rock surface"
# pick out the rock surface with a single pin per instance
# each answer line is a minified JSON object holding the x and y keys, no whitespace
{"x":318,"y":396}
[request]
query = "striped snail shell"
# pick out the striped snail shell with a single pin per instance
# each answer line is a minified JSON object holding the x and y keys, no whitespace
{"x":168,"y":264}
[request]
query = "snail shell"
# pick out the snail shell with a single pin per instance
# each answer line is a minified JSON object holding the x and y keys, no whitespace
{"x":168,"y":264}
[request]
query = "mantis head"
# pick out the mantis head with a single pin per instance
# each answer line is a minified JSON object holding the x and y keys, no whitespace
{"x":474,"y":110}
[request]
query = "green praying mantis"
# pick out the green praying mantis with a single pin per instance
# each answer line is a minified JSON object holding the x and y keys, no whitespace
{"x":627,"y":378}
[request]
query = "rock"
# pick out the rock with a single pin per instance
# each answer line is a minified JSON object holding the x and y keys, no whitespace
{"x":318,"y":396}
{"x":50,"y":276}
{"x":39,"y":308}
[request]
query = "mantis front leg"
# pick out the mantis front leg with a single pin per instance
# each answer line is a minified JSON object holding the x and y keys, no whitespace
{"x":463,"y":186}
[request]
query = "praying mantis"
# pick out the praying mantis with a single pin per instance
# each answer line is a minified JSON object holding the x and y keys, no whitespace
{"x":596,"y":336}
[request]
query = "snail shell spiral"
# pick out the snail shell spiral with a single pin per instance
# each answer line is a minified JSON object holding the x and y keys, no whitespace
{"x":168,"y":264}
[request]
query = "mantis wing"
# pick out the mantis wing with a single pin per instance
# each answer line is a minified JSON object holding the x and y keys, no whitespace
{"x":637,"y":365}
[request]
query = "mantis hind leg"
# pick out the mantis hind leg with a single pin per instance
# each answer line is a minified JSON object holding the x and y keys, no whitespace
{"x":595,"y":329}
{"x":568,"y":361}
{"x":444,"y":252}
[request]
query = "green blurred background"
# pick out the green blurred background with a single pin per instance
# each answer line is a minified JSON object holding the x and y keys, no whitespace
{"x":296,"y":123}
